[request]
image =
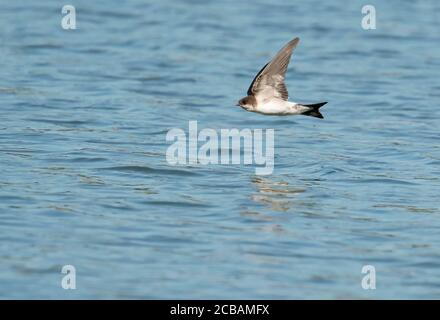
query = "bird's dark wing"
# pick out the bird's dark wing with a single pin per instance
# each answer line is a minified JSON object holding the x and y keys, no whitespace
{"x":269,"y":82}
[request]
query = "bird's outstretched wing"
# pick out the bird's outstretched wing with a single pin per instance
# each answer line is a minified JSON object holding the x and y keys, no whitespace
{"x":269,"y":82}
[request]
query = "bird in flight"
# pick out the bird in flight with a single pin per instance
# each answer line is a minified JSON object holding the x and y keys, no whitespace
{"x":268,"y":94}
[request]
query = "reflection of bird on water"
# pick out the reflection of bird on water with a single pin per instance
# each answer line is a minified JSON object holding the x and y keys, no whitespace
{"x":276,"y":194}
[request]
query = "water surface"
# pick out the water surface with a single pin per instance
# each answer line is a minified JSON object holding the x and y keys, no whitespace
{"x":84,"y":180}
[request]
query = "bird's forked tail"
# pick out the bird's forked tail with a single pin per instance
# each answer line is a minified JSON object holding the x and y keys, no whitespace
{"x":314,"y":110}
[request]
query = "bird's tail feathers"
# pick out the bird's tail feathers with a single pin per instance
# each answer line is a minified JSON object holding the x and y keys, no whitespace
{"x":314,"y":110}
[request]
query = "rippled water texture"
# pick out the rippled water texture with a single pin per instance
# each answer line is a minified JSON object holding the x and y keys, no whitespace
{"x":84,"y":180}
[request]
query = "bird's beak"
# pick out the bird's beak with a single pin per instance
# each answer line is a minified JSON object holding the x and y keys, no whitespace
{"x":237,"y":104}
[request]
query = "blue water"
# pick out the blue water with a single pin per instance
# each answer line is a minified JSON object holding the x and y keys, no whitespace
{"x":85,"y":182}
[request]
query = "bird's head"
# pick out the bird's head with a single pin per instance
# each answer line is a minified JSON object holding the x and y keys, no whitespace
{"x":247,"y":103}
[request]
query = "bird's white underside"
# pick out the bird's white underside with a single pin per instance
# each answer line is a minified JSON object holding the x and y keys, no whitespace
{"x":277,"y":106}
